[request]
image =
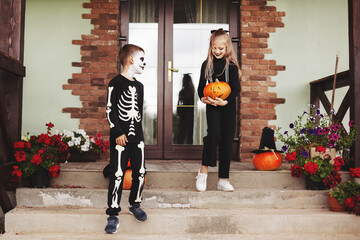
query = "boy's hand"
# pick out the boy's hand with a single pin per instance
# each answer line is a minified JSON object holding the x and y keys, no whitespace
{"x":122,"y":140}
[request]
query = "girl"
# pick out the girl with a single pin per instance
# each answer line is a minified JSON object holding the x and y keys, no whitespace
{"x":221,"y":63}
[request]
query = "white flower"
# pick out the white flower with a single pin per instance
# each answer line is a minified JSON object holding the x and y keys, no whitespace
{"x":70,"y":144}
{"x":77,"y":141}
{"x":84,"y":148}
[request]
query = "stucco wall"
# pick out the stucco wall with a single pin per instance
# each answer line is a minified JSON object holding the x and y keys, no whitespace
{"x":50,"y":27}
{"x":315,"y":31}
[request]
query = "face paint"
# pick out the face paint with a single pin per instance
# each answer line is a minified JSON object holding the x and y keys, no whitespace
{"x":139,"y":62}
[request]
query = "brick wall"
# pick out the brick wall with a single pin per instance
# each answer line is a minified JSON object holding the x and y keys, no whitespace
{"x":99,"y":64}
{"x":257,"y":102}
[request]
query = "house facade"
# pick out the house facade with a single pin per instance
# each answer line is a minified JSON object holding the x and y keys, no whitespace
{"x":281,"y":46}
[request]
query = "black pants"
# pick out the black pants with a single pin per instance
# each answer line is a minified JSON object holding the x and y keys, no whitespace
{"x":119,"y":154}
{"x":221,"y":129}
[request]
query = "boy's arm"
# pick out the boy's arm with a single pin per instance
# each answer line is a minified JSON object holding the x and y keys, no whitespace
{"x":111,"y":111}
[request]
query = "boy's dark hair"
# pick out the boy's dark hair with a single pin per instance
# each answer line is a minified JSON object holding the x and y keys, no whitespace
{"x":128,"y":50}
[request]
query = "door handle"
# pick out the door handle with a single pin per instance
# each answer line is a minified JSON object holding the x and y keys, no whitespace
{"x":170,"y":70}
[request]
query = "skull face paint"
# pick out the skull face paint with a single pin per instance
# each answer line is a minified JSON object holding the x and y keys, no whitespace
{"x":139,"y":62}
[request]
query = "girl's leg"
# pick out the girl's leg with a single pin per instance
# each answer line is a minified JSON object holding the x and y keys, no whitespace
{"x":228,"y":124}
{"x":211,"y":141}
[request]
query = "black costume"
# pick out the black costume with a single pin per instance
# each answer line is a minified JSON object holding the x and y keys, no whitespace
{"x":221,"y":120}
{"x":124,"y":113}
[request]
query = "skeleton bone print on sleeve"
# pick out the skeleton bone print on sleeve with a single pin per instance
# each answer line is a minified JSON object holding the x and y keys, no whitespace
{"x":108,"y":106}
{"x":128,"y":108}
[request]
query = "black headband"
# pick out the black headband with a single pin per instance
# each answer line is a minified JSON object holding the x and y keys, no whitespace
{"x":220,"y":29}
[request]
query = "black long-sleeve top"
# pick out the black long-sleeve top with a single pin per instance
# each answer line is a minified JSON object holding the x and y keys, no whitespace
{"x":124,"y":109}
{"x":219,"y":73}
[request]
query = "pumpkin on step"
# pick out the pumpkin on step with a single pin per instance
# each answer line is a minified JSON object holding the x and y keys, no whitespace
{"x":128,"y":178}
{"x":267,"y":161}
{"x":217,"y":89}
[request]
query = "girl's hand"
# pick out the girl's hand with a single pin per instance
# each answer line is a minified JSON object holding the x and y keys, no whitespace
{"x":220,"y":102}
{"x":122,"y":140}
{"x":207,"y":100}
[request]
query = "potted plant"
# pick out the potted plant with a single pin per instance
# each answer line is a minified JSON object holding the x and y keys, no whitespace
{"x":313,"y":137}
{"x":84,"y":147}
{"x":355,"y":174}
{"x":38,"y":157}
{"x":348,"y":196}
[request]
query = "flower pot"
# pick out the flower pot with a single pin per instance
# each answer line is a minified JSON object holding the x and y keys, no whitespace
{"x":311,"y":185}
{"x":329,"y":151}
{"x":334,"y":204}
{"x":76,"y":156}
{"x":40,"y":179}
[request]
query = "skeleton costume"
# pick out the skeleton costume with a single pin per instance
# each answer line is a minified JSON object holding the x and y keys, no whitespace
{"x":124,"y":111}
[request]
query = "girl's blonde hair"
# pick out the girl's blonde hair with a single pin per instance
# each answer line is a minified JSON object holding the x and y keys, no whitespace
{"x":229,"y":55}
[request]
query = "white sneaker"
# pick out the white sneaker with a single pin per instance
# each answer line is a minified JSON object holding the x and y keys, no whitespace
{"x":224,"y":185}
{"x":201,"y":181}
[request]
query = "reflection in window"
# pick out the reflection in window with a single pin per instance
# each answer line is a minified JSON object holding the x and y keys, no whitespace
{"x":143,"y":11}
{"x":201,"y":11}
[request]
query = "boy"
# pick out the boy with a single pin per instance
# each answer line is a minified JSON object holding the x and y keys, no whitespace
{"x":124,"y":111}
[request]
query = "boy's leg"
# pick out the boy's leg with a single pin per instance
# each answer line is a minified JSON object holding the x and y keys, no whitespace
{"x":118,"y":159}
{"x":137,"y":163}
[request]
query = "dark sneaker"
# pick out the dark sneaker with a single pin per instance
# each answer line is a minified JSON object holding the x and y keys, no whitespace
{"x":138,"y":213}
{"x":112,"y":225}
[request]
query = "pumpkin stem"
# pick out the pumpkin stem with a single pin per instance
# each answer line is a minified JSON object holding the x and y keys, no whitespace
{"x":216,"y":80}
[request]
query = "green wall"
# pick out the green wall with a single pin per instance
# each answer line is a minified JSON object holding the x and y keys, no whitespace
{"x":50,"y":27}
{"x":315,"y":31}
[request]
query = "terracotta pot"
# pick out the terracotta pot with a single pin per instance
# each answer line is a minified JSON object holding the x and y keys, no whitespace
{"x":334,"y":204}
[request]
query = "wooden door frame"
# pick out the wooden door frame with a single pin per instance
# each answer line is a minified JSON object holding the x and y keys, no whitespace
{"x":12,"y":72}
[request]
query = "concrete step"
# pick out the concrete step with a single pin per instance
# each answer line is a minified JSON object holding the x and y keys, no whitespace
{"x":167,"y":174}
{"x":103,"y":236}
{"x":185,"y":221}
{"x":155,"y":198}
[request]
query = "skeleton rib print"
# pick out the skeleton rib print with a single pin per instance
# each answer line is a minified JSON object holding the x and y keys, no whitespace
{"x":128,"y":108}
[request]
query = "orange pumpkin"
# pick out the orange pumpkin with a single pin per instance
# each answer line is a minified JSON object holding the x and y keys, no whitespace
{"x":217,"y":89}
{"x":267,"y":161}
{"x":128,"y":178}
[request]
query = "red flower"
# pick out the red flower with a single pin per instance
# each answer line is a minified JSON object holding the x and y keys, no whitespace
{"x":351,"y":123}
{"x":355,"y":172}
{"x":321,"y":149}
{"x":296,"y":171}
{"x":28,"y":145}
{"x":16,"y":174}
{"x":19,"y":144}
{"x":290,"y":156}
{"x":20,"y":156}
{"x":37,"y":159}
{"x":49,"y":125}
{"x":349,"y":203}
{"x":54,"y":171}
{"x":311,"y":168}
{"x":338,"y":163}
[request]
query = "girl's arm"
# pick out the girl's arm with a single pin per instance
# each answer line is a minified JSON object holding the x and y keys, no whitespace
{"x":234,"y":83}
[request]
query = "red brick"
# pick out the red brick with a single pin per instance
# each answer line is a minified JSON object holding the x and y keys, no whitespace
{"x":255,"y":56}
{"x":277,"y":68}
{"x":70,"y":110}
{"x":276,"y":24}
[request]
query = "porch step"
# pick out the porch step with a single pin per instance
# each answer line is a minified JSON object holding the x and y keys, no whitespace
{"x":102,"y":236}
{"x":153,"y":198}
{"x":184,"y":221}
{"x":181,"y":175}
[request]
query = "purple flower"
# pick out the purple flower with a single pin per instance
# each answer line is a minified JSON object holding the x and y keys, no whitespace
{"x":317,"y":111}
{"x":284,"y":148}
{"x":302,"y":131}
{"x":286,"y":132}
{"x":305,"y":153}
{"x":307,"y":141}
{"x":312,"y":119}
{"x":291,"y":125}
{"x":321,"y":115}
{"x":310,"y":131}
{"x":311,"y":105}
